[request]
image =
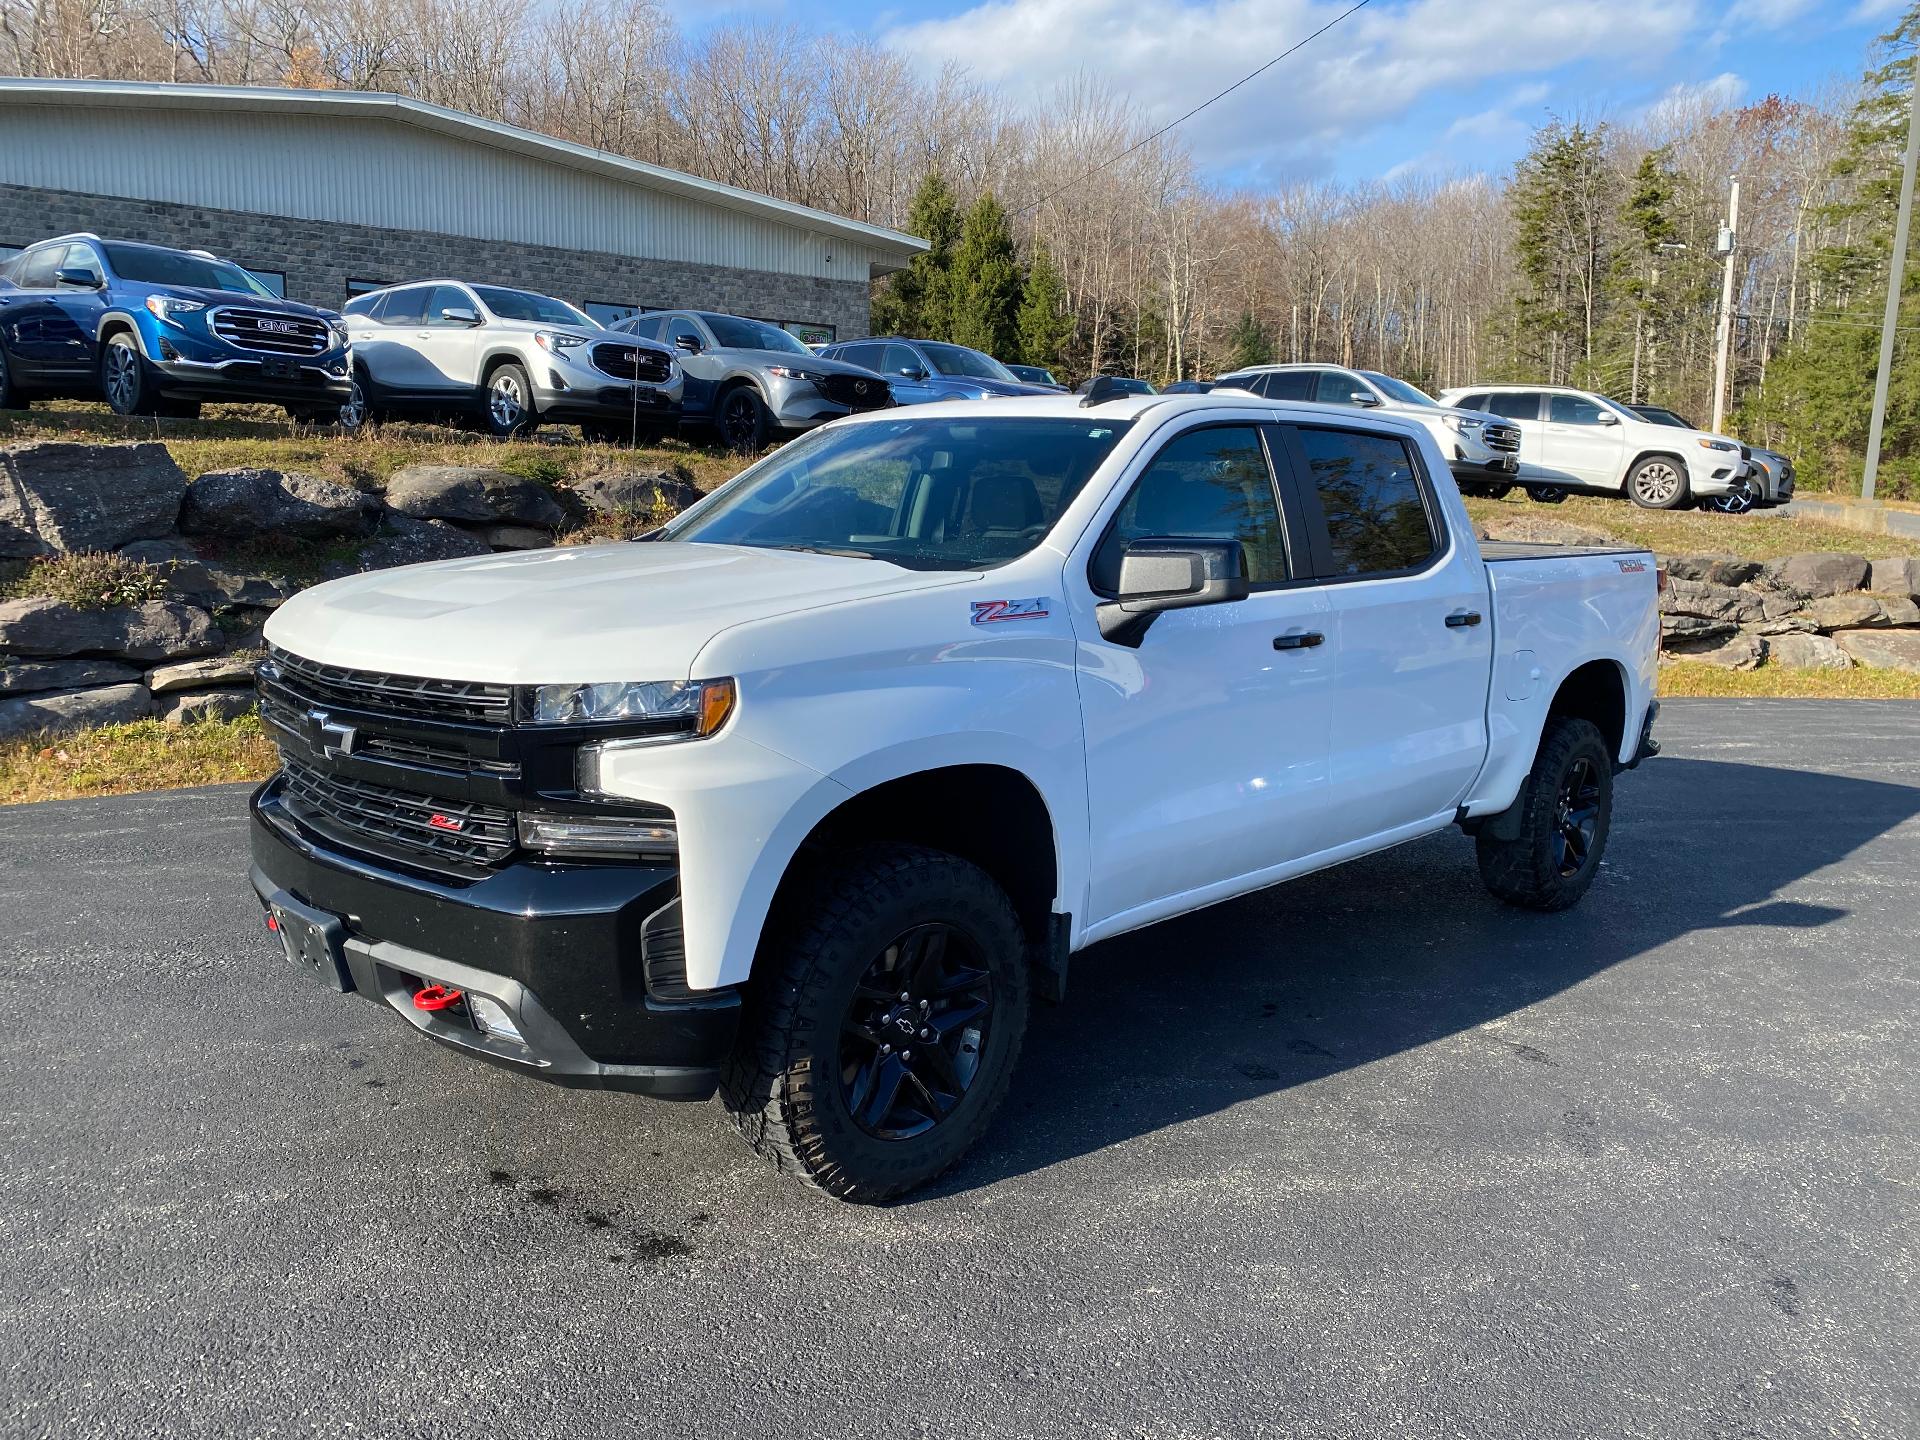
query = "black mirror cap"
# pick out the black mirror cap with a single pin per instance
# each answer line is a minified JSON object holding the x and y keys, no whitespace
{"x":687,"y":343}
{"x":1171,"y":573}
{"x":70,"y":275}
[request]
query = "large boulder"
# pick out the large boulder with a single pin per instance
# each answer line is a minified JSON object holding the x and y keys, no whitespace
{"x":406,"y":541}
{"x":194,"y":705}
{"x":642,"y":492}
{"x":231,"y":669}
{"x":1882,"y":649}
{"x":56,"y":496}
{"x":1820,"y":573}
{"x":1710,"y":601}
{"x":158,"y":630}
{"x":1678,"y":630}
{"x":22,"y":677}
{"x":472,"y":495}
{"x":1799,"y":651}
{"x":1897,"y":576}
{"x":515,"y":537}
{"x":73,"y":709}
{"x":1714,"y":569}
{"x":187,"y":574}
{"x":1857,"y":609}
{"x":1741,"y":651}
{"x":243,"y":503}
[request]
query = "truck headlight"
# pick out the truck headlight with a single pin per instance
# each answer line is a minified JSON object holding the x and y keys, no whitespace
{"x":600,"y":836}
{"x":698,"y":707}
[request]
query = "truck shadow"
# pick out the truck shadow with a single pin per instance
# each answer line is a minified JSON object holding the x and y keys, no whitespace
{"x":1354,"y":964}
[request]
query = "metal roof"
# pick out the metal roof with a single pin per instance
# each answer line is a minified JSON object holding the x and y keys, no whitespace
{"x":402,"y":110}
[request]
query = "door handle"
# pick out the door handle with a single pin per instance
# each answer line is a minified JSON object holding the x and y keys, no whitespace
{"x":1460,"y":619}
{"x":1298,"y":640}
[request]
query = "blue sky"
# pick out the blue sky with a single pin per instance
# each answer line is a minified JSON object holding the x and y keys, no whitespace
{"x":1431,"y":86}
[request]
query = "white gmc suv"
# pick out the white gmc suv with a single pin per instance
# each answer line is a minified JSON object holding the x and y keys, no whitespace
{"x":1576,"y":440}
{"x":804,"y":796}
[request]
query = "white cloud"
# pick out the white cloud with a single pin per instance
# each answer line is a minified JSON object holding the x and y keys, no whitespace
{"x":1369,"y":71}
{"x":1686,"y":98}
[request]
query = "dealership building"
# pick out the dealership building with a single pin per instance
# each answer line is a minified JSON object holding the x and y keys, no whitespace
{"x":325,"y":194}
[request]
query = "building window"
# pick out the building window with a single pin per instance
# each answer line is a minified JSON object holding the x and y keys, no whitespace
{"x":808,"y":333}
{"x":274,"y":280}
{"x":608,"y":312}
{"x":7,"y":252}
{"x":363,"y":287}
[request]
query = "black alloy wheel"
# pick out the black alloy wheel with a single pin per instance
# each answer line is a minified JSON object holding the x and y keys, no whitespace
{"x":1576,"y":817}
{"x":911,"y":1041}
{"x":123,"y":377}
{"x":743,"y":420}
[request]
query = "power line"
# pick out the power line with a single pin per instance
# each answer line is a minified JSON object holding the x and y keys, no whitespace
{"x":1181,"y":120}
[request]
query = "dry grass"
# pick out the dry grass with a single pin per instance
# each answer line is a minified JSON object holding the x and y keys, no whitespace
{"x":1686,"y":677}
{"x":142,"y":755}
{"x":1763,"y":535}
{"x":89,"y":580}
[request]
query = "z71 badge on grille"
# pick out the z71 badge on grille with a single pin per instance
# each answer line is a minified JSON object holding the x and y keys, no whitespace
{"x":995,"y":612}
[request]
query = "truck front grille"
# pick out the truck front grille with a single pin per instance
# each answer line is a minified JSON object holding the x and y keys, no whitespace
{"x":271,"y":333}
{"x":633,"y":362}
{"x":856,"y":392}
{"x":307,"y":684}
{"x":357,"y":810}
{"x":1505,"y":438}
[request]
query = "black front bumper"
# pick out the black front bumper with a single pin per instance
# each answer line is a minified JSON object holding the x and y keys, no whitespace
{"x":558,"y":947}
{"x":250,"y":383}
{"x":614,"y":405}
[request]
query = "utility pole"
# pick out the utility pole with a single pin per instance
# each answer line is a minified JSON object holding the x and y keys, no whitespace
{"x":1891,"y":322}
{"x":1729,"y":241}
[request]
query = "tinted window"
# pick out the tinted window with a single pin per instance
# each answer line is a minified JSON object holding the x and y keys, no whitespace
{"x":680,"y":328}
{"x":1289,"y":384}
{"x":1210,"y":484}
{"x":866,"y":355}
{"x":1376,"y":516}
{"x":647,"y":327}
{"x":406,"y":307}
{"x":898,"y":360}
{"x":1572,"y":410}
{"x":443,"y":299}
{"x":1338,"y":388}
{"x":1475,"y":401}
{"x":81,"y":257}
{"x":1514,"y":404}
{"x":36,"y":271}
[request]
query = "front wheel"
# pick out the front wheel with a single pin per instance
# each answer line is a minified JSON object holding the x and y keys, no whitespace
{"x":1658,"y":483}
{"x":1737,"y":501}
{"x":510,"y":409}
{"x":1547,"y":494}
{"x":882,"y":1033}
{"x":1564,"y":813}
{"x":743,"y":420}
{"x":125,"y":379}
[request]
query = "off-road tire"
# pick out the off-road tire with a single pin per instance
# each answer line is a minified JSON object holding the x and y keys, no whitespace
{"x":786,"y":1096}
{"x":1525,"y":871}
{"x":1659,"y":482}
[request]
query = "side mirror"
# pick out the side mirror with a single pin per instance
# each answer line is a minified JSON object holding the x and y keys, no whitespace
{"x":688,"y":343}
{"x":912,"y":372}
{"x":460,"y":315}
{"x":1607,"y":417}
{"x":1169,"y":574}
{"x":1363,"y":397}
{"x":76,"y":277}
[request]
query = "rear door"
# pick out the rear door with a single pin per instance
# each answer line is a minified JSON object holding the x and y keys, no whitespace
{"x":1523,"y":408}
{"x":30,"y":322}
{"x":1411,"y":633}
{"x":388,"y":347}
{"x":1581,"y":442}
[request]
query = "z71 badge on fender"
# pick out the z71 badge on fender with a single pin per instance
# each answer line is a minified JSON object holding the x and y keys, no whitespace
{"x":993,"y":612}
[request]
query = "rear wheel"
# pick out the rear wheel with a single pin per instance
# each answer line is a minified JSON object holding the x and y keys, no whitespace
{"x":1547,"y":494}
{"x":510,"y":409}
{"x":882,"y":1032}
{"x":1658,"y":482}
{"x":1737,"y":501}
{"x":1496,"y":492}
{"x":125,"y":379}
{"x":1565,"y":813}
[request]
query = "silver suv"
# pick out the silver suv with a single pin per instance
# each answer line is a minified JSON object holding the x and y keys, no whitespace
{"x":511,"y":359}
{"x":1482,"y":450}
{"x":749,"y":379}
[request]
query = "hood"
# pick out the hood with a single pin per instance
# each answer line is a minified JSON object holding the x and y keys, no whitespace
{"x":211,"y":298}
{"x":1002,"y":387}
{"x":798,"y":362}
{"x":572,"y":614}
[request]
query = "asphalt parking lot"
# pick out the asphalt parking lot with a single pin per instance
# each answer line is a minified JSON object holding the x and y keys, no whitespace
{"x":1365,"y":1156}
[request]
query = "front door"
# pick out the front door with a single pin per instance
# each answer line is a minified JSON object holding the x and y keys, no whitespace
{"x":701,"y":370}
{"x":76,"y":316}
{"x":1581,"y":442}
{"x":1411,"y":631}
{"x":1207,"y":745}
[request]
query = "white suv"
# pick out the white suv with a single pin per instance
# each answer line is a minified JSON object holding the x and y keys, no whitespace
{"x":1576,"y":440}
{"x":511,"y":359}
{"x":1483,"y":451}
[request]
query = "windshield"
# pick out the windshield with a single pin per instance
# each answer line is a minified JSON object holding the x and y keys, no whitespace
{"x":958,"y":360}
{"x":923,"y":494}
{"x":525,"y":305}
{"x":733,"y":333}
{"x":1400,"y":390}
{"x":145,"y":265}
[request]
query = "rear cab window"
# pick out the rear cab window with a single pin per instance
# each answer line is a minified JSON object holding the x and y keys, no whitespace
{"x":1376,"y":517}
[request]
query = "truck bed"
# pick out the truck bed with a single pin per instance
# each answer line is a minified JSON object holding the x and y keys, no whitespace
{"x":1494,"y":551}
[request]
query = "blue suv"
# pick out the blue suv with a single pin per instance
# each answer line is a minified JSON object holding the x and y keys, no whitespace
{"x":155,"y":332}
{"x":924,"y":370}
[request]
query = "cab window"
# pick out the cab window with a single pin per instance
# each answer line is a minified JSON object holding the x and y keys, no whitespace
{"x":1377,"y":521}
{"x":1208,"y":484}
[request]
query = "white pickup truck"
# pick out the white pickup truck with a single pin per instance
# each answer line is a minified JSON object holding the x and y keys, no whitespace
{"x":804,"y":796}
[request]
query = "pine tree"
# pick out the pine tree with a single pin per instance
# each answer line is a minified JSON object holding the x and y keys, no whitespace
{"x":1248,"y":343}
{"x":1565,"y":207}
{"x":1044,"y":322}
{"x":985,"y":282}
{"x":916,"y":302}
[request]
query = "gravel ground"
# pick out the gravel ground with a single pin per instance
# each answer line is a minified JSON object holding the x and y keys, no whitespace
{"x":1368,"y":1155}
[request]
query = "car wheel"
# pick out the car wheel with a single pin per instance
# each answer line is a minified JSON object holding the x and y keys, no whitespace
{"x":881,"y":1036}
{"x":1547,"y":495}
{"x":124,"y":378}
{"x":1738,"y":501}
{"x":1565,"y":811}
{"x":1495,"y":492}
{"x":1658,"y":482}
{"x":743,"y":420}
{"x":354,"y":413}
{"x":510,"y":409}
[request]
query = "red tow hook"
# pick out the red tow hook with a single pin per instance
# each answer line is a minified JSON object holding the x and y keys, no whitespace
{"x":436,"y":997}
{"x":273,"y":922}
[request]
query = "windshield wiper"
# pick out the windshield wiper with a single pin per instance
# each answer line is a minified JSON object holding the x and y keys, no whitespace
{"x":840,"y":550}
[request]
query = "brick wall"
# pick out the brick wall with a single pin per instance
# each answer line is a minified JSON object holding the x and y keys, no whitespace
{"x":319,"y":258}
